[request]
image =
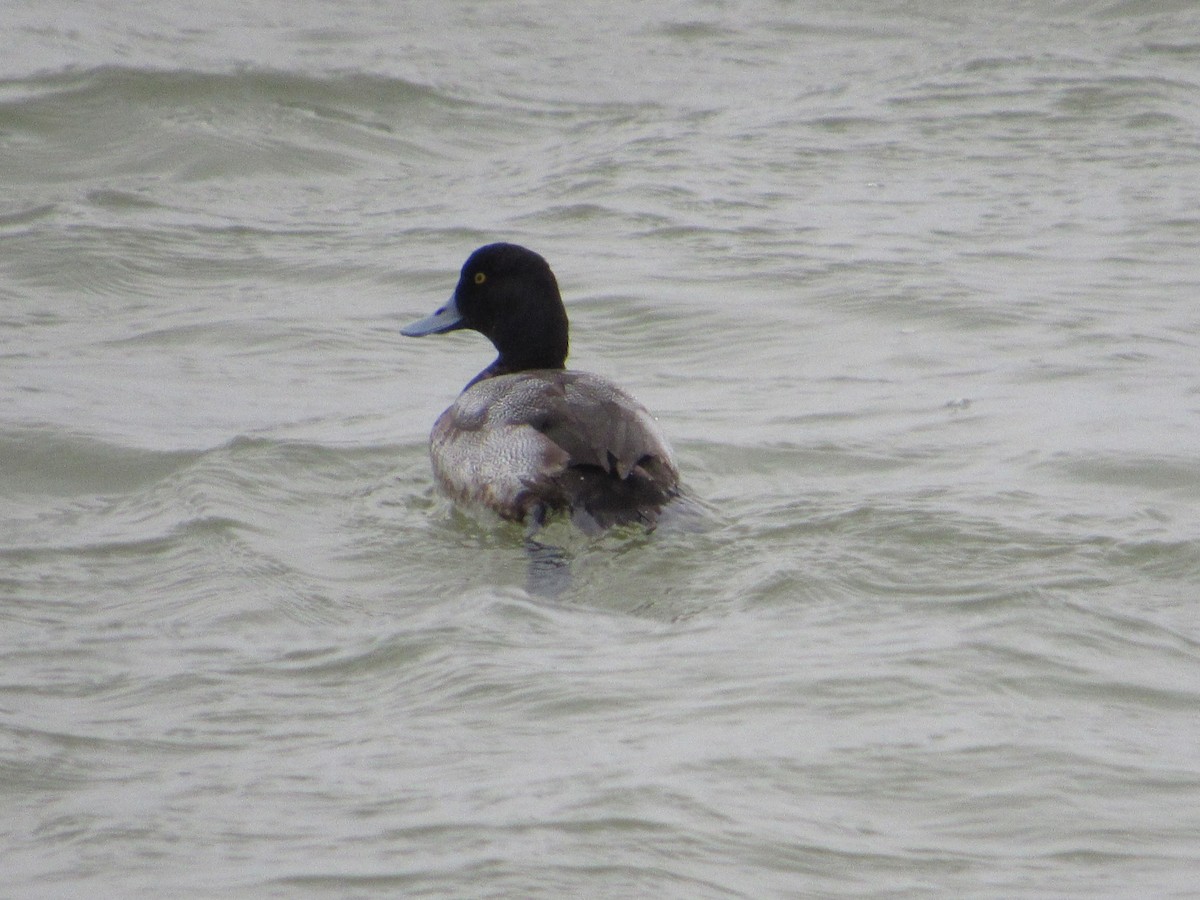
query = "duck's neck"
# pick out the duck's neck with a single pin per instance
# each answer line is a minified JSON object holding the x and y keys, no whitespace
{"x":519,"y":354}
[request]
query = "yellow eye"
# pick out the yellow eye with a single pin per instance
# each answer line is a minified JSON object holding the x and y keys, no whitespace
{"x":480,"y":278}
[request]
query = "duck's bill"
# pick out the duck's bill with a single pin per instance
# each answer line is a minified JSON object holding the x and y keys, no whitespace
{"x":445,"y":319}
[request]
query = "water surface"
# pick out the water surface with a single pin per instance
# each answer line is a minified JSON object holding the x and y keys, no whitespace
{"x":912,"y":288}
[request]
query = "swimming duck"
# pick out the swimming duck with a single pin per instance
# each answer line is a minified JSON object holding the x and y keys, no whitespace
{"x":528,"y":437}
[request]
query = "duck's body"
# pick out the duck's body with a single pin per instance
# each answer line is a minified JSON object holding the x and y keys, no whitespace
{"x":546,"y":440}
{"x":527,"y":436}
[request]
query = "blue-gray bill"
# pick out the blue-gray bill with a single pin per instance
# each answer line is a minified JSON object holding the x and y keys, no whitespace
{"x":447,"y":318}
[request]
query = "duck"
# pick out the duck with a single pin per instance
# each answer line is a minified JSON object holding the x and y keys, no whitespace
{"x":529,"y":438}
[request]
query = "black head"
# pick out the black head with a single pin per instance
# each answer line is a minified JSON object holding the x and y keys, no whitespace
{"x":508,"y":294}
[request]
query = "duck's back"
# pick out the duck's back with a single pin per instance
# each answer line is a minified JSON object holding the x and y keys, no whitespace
{"x":544,"y":440}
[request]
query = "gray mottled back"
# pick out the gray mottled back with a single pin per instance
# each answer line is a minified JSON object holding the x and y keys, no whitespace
{"x":551,"y":440}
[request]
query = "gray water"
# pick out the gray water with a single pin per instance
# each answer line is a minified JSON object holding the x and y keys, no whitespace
{"x":914,"y":289}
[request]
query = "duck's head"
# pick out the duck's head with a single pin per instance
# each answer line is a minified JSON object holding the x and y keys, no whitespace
{"x":508,"y":294}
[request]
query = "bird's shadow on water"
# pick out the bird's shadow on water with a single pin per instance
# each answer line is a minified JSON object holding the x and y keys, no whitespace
{"x":561,"y":563}
{"x":548,"y":572}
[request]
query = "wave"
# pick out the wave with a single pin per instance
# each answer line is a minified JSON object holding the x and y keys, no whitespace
{"x":193,"y":125}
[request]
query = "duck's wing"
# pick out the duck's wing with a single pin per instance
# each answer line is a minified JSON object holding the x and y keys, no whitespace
{"x":599,"y":425}
{"x":618,"y":467}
